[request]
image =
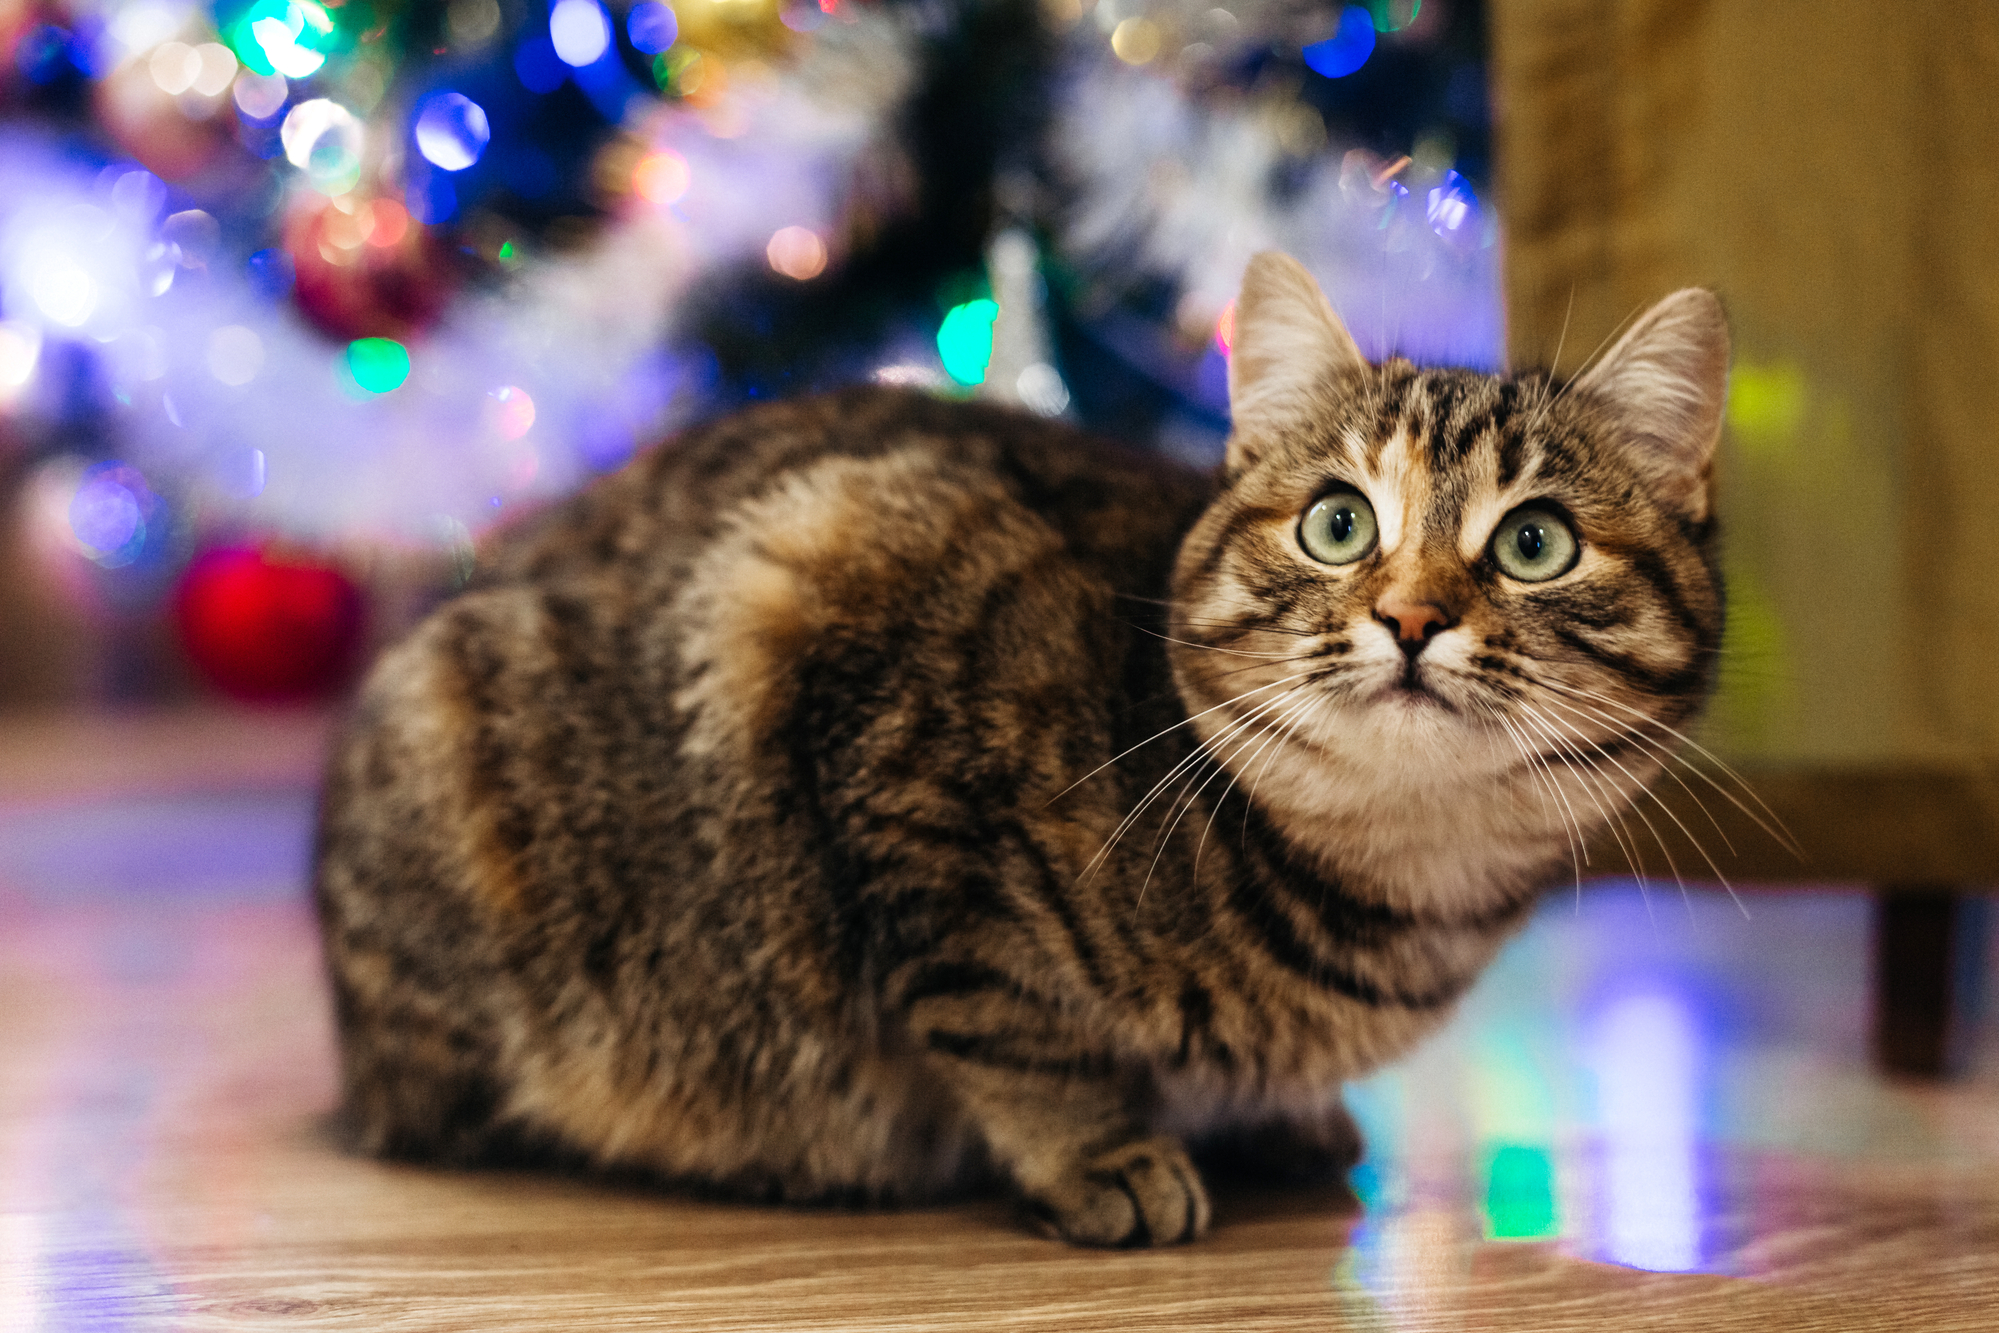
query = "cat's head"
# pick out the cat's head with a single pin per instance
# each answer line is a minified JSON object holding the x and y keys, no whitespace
{"x":1431,"y":575}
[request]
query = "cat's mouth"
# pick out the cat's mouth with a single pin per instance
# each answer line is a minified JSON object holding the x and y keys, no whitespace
{"x":1409,"y":689}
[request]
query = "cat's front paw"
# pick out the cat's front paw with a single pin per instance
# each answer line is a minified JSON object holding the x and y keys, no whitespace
{"x":1144,"y":1193}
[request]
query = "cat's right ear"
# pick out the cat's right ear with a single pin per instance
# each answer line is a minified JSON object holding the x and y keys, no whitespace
{"x":1666,"y":382}
{"x":1288,"y":346}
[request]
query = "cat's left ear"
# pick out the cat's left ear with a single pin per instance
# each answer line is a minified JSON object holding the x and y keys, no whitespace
{"x":1667,"y":382}
{"x":1288,"y":347}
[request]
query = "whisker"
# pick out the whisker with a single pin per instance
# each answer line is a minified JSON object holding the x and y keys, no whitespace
{"x":1554,"y":363}
{"x":1282,"y":729}
{"x":1544,"y":779}
{"x":1184,"y":722}
{"x":1592,"y":788}
{"x":1607,"y":339}
{"x":1235,"y":776}
{"x":1221,"y":765}
{"x":1783,"y":838}
{"x":1668,"y":811}
{"x":1199,"y":753}
{"x":1207,"y":647}
{"x":1636,"y":808}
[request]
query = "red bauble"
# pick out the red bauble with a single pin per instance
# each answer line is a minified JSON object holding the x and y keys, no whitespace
{"x":366,"y":269}
{"x":269,"y":630}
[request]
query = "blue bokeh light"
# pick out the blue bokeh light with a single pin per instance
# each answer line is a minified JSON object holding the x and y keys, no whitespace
{"x":451,"y":131}
{"x":1347,"y":49}
{"x":652,"y":26}
{"x":580,"y":31}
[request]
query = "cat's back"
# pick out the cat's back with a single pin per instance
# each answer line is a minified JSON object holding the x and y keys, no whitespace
{"x":1116,"y":510}
{"x":604,"y":796}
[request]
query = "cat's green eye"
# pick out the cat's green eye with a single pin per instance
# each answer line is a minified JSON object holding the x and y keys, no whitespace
{"x":1534,"y":544}
{"x":1338,"y":529}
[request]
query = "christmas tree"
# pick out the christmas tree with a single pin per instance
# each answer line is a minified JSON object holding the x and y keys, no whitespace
{"x":288,"y":277}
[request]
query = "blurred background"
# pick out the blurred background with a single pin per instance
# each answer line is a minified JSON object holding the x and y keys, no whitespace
{"x":301,"y":299}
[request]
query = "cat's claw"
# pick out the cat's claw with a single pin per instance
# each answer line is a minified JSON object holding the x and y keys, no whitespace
{"x":1144,"y":1193}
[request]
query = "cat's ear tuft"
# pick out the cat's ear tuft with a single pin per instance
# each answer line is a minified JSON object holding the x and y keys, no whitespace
{"x":1288,"y":345}
{"x":1666,"y":381}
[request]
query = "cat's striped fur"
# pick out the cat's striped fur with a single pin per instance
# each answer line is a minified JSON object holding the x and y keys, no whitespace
{"x":867,"y":796}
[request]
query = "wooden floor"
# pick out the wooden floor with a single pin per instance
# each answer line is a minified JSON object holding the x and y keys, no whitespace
{"x":1640,"y":1120}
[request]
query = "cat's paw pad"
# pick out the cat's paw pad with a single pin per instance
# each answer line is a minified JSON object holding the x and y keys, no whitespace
{"x":1144,"y":1193}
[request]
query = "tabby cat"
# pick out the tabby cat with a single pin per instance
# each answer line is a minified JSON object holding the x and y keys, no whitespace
{"x":865,"y":797}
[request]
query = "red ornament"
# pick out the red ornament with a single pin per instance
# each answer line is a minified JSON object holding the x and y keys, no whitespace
{"x":367,"y":269}
{"x":269,"y":630}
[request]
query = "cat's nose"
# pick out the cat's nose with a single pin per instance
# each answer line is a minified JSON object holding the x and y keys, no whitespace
{"x":1413,"y":623}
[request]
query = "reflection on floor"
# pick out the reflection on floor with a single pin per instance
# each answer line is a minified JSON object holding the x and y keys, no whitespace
{"x":1641,"y":1086}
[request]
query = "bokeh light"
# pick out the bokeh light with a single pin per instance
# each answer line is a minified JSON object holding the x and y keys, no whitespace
{"x":652,"y":26}
{"x":1135,"y":41}
{"x":1647,"y":1058}
{"x":965,"y":340}
{"x":797,"y":252}
{"x":139,"y":195}
{"x":452,"y":131}
{"x":511,"y":411}
{"x":20,"y":349}
{"x":235,"y":354}
{"x":1453,"y":213}
{"x":1225,"y":330}
{"x":174,"y":67}
{"x":385,"y":222}
{"x":108,"y":513}
{"x":1520,"y":1200}
{"x":324,"y":139}
{"x":1347,"y":49}
{"x":260,"y":96}
{"x":379,"y":365}
{"x":288,"y":37}
{"x":218,"y":69}
{"x":580,"y":31}
{"x":1041,"y":389}
{"x":472,"y":23}
{"x":661,"y":178}
{"x":63,"y":289}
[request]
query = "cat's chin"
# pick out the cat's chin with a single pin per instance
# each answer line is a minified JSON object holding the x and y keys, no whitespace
{"x":1406,"y":695}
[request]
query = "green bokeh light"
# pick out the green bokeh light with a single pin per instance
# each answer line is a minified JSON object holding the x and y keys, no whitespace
{"x":1393,"y":15}
{"x":303,"y":36}
{"x":1766,"y":405}
{"x":1520,"y":1194}
{"x":378,"y":365}
{"x":966,"y":340}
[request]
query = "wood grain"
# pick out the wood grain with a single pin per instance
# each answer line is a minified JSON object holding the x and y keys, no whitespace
{"x":166,"y":1063}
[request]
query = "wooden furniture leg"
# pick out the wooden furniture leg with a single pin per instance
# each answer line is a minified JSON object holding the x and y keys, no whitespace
{"x":1916,"y":983}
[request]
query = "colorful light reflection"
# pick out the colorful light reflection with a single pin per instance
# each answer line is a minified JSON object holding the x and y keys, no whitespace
{"x":965,"y":340}
{"x":452,"y":131}
{"x":1646,"y":1056}
{"x":1347,"y":49}
{"x":661,"y":178}
{"x":511,"y":412}
{"x":580,"y":31}
{"x":797,"y":252}
{"x":109,"y":514}
{"x":379,"y":365}
{"x":652,"y":26}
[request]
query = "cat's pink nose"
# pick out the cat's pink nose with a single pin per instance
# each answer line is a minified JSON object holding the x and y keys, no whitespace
{"x":1411,"y":621}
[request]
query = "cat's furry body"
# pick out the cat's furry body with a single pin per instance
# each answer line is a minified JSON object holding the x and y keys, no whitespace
{"x":759,"y":821}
